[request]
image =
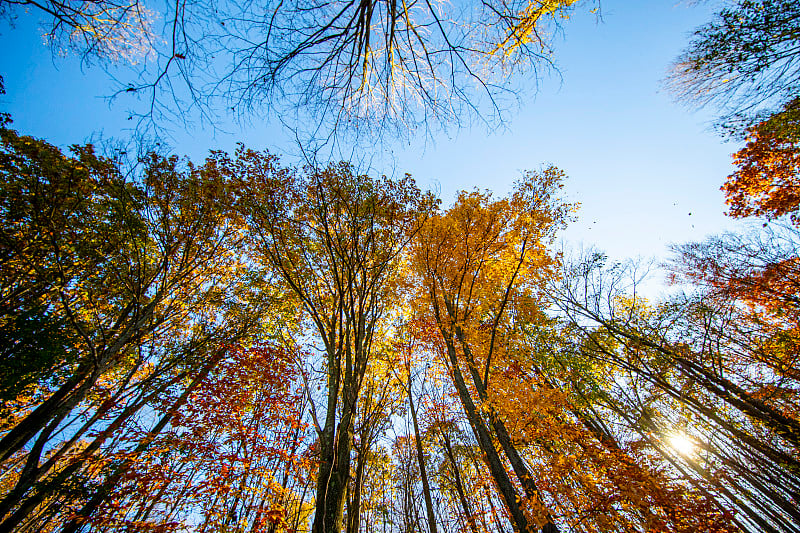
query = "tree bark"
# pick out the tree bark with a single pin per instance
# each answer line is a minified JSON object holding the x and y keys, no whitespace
{"x":462,"y":497}
{"x":490,"y":454}
{"x":426,"y":489}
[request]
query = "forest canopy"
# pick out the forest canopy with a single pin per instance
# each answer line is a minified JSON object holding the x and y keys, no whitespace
{"x":352,"y":68}
{"x":246,"y":344}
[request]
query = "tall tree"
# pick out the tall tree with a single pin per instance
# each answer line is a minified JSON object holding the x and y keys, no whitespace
{"x":474,"y":262}
{"x":336,"y":239}
{"x":140,"y":278}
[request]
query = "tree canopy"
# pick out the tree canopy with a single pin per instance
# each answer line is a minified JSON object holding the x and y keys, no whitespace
{"x":745,"y":60}
{"x":246,"y":345}
{"x":352,"y":68}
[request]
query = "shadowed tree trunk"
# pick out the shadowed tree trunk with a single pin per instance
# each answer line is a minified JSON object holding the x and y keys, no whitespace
{"x":426,"y":489}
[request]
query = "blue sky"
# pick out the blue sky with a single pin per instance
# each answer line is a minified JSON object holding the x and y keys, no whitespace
{"x":638,"y":163}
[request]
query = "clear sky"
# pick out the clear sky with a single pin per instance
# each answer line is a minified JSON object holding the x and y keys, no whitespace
{"x":646,"y":171}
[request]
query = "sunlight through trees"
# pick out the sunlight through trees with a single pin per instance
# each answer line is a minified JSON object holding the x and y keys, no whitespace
{"x":243,"y":345}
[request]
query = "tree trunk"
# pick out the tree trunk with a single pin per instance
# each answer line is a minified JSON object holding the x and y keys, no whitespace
{"x":354,"y":505}
{"x":326,"y":462}
{"x":490,"y":454}
{"x":462,"y":497}
{"x":503,"y":437}
{"x":426,"y":489}
{"x":57,"y":406}
{"x":334,"y":475}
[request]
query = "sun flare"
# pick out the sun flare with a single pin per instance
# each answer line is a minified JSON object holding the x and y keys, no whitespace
{"x":682,"y":444}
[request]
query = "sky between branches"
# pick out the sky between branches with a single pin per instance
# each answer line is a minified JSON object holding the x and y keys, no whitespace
{"x":646,"y":171}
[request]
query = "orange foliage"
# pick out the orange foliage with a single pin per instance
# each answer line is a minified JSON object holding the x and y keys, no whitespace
{"x":596,"y":485}
{"x":767,"y":182}
{"x":239,"y":437}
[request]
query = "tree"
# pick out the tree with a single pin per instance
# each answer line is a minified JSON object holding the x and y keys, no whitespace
{"x":599,"y":480}
{"x":142,"y":279}
{"x":767,"y":179}
{"x":474,"y":263}
{"x":748,"y":57}
{"x":746,"y":305}
{"x":336,"y":240}
{"x":346,"y":66}
{"x":757,"y":269}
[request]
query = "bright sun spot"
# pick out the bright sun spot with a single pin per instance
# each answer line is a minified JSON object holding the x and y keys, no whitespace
{"x":681,"y":444}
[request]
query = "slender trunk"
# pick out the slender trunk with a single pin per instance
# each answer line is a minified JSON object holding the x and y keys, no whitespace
{"x":491,"y":507}
{"x":300,"y":502}
{"x":31,"y":472}
{"x":285,"y":481}
{"x":426,"y":489}
{"x":728,"y":391}
{"x":327,"y":446}
{"x":58,"y":405}
{"x":503,"y":437}
{"x":462,"y":497}
{"x":340,"y":474}
{"x":490,"y":454}
{"x":754,"y":515}
{"x":33,"y":475}
{"x":775,"y":454}
{"x":354,"y":505}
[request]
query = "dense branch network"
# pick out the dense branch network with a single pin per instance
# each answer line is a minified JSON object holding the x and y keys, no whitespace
{"x":746,"y":60}
{"x":351,"y":67}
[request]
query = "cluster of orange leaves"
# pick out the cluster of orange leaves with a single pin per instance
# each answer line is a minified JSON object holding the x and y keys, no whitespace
{"x":595,"y":486}
{"x":767,"y":181}
{"x":239,"y":425}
